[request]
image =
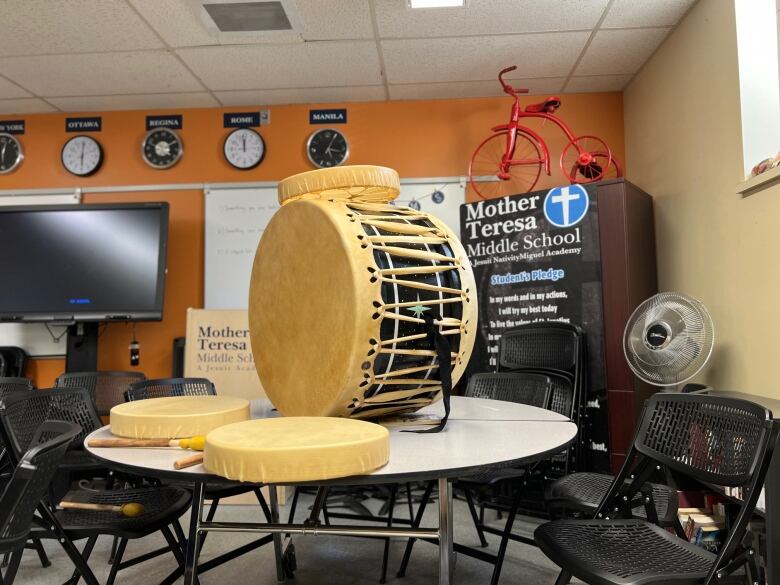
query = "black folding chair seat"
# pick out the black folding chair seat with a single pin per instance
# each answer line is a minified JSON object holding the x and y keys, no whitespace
{"x":490,"y":478}
{"x":623,"y":552}
{"x":162,"y":506}
{"x":583,"y":492}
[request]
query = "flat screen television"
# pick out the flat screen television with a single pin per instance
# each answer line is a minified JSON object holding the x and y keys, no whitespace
{"x":76,"y":263}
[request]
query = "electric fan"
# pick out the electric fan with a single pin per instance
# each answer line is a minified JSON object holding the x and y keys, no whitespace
{"x":668,"y":339}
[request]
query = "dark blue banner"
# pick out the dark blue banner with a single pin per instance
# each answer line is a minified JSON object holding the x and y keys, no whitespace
{"x":12,"y":127}
{"x":328,"y":116}
{"x":94,"y":124}
{"x":241,"y":119}
{"x":174,"y":122}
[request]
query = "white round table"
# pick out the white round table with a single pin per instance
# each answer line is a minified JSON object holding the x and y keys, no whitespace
{"x":481,"y":434}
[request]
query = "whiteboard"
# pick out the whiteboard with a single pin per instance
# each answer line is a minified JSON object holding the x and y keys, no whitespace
{"x":33,"y":337}
{"x":235,"y":219}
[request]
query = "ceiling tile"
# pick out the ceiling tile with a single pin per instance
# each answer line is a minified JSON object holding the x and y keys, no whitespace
{"x":620,"y":51}
{"x":302,"y":96}
{"x":179,"y":24}
{"x":100,"y":73}
{"x":25,"y":106}
{"x":35,"y":27}
{"x":10,"y":90}
{"x":628,"y":13}
{"x":396,"y":20}
{"x":480,"y":58}
{"x":597,"y":83}
{"x":470,"y":89}
{"x":317,"y":64}
{"x":135,"y":102}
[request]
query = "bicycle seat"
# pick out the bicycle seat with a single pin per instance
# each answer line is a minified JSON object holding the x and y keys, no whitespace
{"x":549,"y":105}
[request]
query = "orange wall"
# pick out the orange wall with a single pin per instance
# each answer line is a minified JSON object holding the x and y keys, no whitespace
{"x":418,"y":138}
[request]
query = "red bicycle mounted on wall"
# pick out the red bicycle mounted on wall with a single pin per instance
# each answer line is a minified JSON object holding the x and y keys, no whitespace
{"x":511,"y":160}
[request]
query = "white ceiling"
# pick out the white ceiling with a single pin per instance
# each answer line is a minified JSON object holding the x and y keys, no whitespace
{"x":82,"y":55}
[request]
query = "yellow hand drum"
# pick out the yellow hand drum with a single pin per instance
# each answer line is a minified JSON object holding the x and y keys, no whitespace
{"x":343,"y":289}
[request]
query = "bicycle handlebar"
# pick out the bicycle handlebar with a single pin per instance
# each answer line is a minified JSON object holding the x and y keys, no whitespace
{"x":508,"y":88}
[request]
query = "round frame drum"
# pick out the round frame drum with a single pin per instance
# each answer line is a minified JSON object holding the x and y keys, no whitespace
{"x":343,"y":291}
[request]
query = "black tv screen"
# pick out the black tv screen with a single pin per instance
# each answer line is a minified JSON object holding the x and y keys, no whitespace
{"x":66,"y":263}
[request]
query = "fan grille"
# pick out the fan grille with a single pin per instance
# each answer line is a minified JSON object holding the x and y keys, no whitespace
{"x":668,"y":339}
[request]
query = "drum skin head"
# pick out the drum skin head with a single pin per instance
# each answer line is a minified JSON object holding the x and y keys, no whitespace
{"x":304,"y":310}
{"x":342,"y":291}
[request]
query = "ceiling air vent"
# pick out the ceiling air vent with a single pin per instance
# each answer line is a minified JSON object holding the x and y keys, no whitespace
{"x":248,"y":16}
{"x":242,"y":21}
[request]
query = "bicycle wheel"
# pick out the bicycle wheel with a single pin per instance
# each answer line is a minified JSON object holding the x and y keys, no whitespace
{"x":492,"y":177}
{"x":586,"y":159}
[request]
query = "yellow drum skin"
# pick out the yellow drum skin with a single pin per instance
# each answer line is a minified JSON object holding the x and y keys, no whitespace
{"x":296,"y":449}
{"x":331,"y":335}
{"x":176,"y":417}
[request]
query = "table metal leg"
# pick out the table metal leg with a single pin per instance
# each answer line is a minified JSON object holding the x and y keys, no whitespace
{"x":445,"y":532}
{"x":274,"y":503}
{"x":191,"y":555}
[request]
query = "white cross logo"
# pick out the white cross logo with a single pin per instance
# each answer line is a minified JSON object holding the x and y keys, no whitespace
{"x":564,"y":199}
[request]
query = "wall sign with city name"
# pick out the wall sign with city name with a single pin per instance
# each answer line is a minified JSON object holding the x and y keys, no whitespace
{"x":246,"y":119}
{"x":337,"y":116}
{"x":174,"y":122}
{"x":12,"y":127}
{"x":94,"y":124}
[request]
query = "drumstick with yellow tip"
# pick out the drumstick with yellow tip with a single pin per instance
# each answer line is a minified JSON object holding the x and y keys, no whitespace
{"x":196,"y":443}
{"x":128,"y":510}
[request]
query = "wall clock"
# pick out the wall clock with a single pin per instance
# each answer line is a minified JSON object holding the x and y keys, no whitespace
{"x":162,"y":148}
{"x":82,"y":156}
{"x":327,"y":148}
{"x":11,"y":153}
{"x":244,"y":148}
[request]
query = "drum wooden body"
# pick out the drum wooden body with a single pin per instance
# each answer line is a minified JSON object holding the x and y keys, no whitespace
{"x":341,"y":286}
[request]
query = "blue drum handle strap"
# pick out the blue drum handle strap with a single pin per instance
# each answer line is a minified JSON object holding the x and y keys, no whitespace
{"x":443,"y":354}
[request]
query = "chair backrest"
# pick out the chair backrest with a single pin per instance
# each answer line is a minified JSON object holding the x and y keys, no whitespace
{"x":21,"y":414}
{"x":11,"y":385}
{"x":519,"y":387}
{"x":15,"y":360}
{"x":711,"y":438}
{"x":107,"y":388}
{"x":165,"y":387}
{"x":31,"y":479}
{"x":540,"y":345}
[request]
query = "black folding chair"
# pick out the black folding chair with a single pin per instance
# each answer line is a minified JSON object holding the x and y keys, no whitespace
{"x":27,"y":487}
{"x":107,"y":388}
{"x":519,"y":387}
{"x":169,"y":387}
{"x":713,"y":439}
{"x":9,"y":386}
{"x":165,"y":387}
{"x":20,"y":417}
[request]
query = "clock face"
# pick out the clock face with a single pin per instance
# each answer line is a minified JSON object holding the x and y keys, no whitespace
{"x":327,"y":148}
{"x":11,"y":153}
{"x":82,"y":155}
{"x":162,"y":148}
{"x":244,"y":148}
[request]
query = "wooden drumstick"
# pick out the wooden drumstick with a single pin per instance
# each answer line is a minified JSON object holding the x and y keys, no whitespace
{"x":185,"y":462}
{"x":129,"y":510}
{"x":196,"y":443}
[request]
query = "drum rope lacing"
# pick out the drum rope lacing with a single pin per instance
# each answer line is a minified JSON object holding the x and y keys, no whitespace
{"x":375,"y":217}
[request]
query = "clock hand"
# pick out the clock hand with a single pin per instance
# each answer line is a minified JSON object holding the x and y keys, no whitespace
{"x":243,"y":142}
{"x":2,"y":152}
{"x":328,"y":149}
{"x":82,"y":154}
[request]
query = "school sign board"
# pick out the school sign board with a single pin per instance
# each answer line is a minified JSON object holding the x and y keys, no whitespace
{"x":536,"y":257}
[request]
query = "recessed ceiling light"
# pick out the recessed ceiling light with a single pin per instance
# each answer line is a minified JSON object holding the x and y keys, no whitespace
{"x":436,"y":3}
